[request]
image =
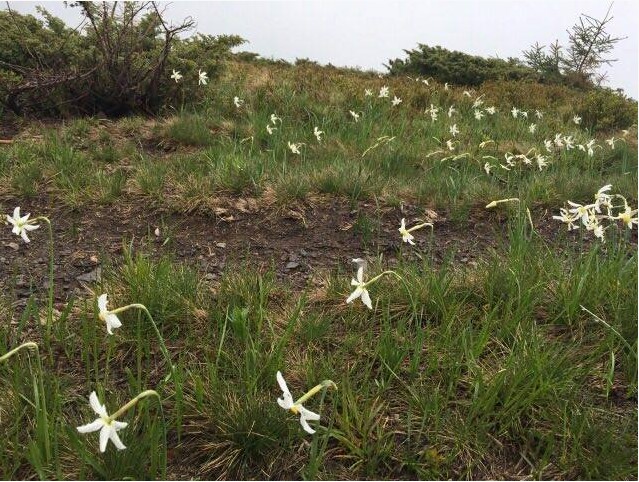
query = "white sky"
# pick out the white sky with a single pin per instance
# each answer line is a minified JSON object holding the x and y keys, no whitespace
{"x":368,"y":33}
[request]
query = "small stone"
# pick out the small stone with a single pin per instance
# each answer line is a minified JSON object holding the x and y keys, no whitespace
{"x":292,"y":265}
{"x":210,"y":276}
{"x":13,"y":246}
{"x":220,"y":245}
{"x":91,"y":276}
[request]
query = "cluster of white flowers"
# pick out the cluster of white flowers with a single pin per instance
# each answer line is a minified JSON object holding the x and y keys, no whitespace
{"x":531,"y":159}
{"x":603,"y":208}
{"x":202,"y":77}
{"x":568,"y":143}
{"x":271,"y":126}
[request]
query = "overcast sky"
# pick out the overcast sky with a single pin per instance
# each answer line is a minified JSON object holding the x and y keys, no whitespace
{"x":368,"y":33}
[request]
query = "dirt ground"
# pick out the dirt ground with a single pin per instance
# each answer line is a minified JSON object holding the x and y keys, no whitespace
{"x":297,"y":242}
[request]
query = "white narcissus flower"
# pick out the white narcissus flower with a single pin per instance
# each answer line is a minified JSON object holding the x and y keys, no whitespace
{"x":275,"y":118}
{"x":360,"y":290}
{"x":539,"y":114}
{"x":487,"y":167}
{"x":467,"y":93}
{"x":270,"y":129}
{"x":532,"y":128}
{"x":355,"y":115}
{"x":514,"y":112}
{"x":294,"y":147}
{"x":396,"y":101}
{"x":383,"y":92}
{"x":287,"y":403}
{"x":406,"y":236}
{"x":491,"y":110}
{"x":541,"y":161}
{"x":108,"y":427}
{"x":611,"y":142}
{"x":176,"y":75}
{"x":603,"y":199}
{"x":566,"y":217}
{"x":569,"y":142}
{"x":478,"y":114}
{"x":450,"y":145}
{"x":237,"y":101}
{"x":451,"y":110}
{"x":559,"y":140}
{"x":524,"y":114}
{"x":202,"y":78}
{"x":598,"y":231}
{"x":627,"y":217}
{"x":454,"y":130}
{"x":111,"y":320}
{"x":318,"y":134}
{"x":433,"y":112}
{"x":548,"y":145}
{"x":446,"y":86}
{"x":576,"y":119}
{"x":21,"y":224}
{"x":368,"y":92}
{"x":581,"y":212}
{"x":478,"y":102}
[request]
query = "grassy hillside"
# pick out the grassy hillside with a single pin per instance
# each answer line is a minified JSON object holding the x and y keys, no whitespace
{"x":499,"y":345}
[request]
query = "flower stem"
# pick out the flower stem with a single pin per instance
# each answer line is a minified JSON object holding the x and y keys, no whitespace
{"x":38,"y":386}
{"x":371,"y":281}
{"x":315,"y":389}
{"x":132,"y":403}
{"x":163,"y":348}
{"x":419,"y":226}
{"x":51,"y":259}
{"x":10,"y":353}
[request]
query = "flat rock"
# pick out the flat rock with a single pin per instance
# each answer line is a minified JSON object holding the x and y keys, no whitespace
{"x":91,"y":276}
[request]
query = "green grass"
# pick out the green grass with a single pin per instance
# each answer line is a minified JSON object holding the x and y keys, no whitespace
{"x":481,"y":370}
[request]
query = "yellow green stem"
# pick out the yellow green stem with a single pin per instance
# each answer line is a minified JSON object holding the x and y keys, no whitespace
{"x":133,"y":402}
{"x":371,"y":281}
{"x":10,"y":353}
{"x":316,"y":389}
{"x":419,"y":226}
{"x":494,"y":203}
{"x":39,"y":388}
{"x":163,"y":348}
{"x":51,"y":260}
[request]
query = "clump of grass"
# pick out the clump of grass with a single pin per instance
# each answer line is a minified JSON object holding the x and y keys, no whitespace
{"x":188,"y":130}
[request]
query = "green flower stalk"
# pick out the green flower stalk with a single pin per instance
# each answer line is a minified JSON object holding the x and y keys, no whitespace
{"x":112,"y":321}
{"x":38,"y":390}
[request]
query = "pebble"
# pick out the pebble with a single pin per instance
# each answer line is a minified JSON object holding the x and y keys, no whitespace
{"x":91,"y":276}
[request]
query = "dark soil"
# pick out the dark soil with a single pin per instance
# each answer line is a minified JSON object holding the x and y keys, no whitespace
{"x":296,"y":242}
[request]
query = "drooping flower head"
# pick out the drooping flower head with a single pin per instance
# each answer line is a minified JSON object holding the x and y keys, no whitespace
{"x":111,"y":320}
{"x":358,"y":282}
{"x":287,"y":403}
